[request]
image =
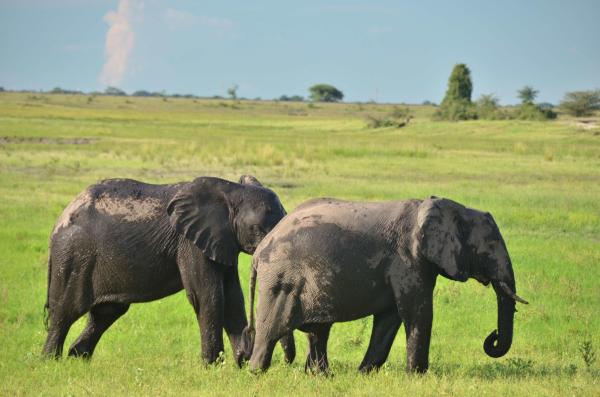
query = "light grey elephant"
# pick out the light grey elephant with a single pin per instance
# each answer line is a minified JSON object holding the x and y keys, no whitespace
{"x":331,"y":261}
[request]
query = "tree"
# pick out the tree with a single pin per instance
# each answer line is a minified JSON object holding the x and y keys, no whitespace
{"x":142,"y":93}
{"x":114,"y":91}
{"x":581,"y":103}
{"x":460,"y":86}
{"x":232,"y":91}
{"x":293,"y":98}
{"x":528,"y":110}
{"x":457,"y":103}
{"x":325,"y":93}
{"x":527,"y":94}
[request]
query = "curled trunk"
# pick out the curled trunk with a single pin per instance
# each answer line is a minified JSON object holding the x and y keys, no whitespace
{"x":498,"y":343}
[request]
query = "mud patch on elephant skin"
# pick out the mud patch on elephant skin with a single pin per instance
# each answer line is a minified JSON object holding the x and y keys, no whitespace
{"x":82,"y":201}
{"x":281,"y":286}
{"x":130,"y":209}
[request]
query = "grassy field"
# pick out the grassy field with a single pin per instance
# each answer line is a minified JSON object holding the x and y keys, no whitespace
{"x":540,"y":180}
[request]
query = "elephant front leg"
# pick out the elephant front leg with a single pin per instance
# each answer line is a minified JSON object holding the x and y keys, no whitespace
{"x":235,"y":314}
{"x":418,"y":334}
{"x":203,"y":283}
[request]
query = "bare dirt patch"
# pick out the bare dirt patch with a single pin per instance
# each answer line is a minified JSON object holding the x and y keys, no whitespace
{"x":45,"y":141}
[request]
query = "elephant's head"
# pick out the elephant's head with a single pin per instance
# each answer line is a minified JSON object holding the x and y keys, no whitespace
{"x":465,"y":243}
{"x":223,"y":218}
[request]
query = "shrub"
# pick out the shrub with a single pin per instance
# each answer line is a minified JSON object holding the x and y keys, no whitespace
{"x":325,"y":93}
{"x":399,"y":117}
{"x":531,"y":111}
{"x":581,"y":103}
{"x":456,"y":110}
{"x":488,"y":108}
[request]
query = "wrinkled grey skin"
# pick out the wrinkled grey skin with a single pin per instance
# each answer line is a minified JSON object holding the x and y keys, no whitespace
{"x":122,"y":241}
{"x":332,"y":260}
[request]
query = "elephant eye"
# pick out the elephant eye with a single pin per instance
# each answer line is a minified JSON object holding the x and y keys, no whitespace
{"x":255,"y":229}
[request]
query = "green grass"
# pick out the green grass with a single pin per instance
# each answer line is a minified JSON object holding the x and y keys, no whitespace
{"x":540,"y":180}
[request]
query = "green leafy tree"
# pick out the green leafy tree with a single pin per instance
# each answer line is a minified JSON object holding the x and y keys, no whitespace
{"x":457,"y":103}
{"x":527,"y":94}
{"x":581,"y":103}
{"x":460,"y":85}
{"x":325,"y":93}
{"x":114,"y":91}
{"x":528,"y":110}
{"x":232,"y":91}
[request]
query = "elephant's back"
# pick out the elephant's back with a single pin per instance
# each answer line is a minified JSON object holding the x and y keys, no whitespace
{"x":116,"y":201}
{"x":339,"y":266}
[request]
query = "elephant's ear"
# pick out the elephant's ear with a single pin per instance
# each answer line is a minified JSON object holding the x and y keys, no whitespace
{"x":201,"y":212}
{"x":438,"y":238}
{"x":250,"y":180}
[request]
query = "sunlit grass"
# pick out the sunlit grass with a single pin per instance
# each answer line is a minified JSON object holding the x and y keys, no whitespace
{"x":540,"y":180}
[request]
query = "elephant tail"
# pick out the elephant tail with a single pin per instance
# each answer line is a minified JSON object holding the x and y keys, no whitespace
{"x":47,"y":304}
{"x":249,"y":332}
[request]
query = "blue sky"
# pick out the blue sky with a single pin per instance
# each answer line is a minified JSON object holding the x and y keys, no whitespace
{"x":389,"y":51}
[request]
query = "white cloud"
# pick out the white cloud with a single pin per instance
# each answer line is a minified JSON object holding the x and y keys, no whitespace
{"x":120,"y":39}
{"x":177,"y":19}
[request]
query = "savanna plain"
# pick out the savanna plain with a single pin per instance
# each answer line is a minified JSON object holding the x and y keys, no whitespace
{"x":540,"y":180}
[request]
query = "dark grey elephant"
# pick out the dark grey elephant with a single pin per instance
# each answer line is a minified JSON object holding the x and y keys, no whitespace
{"x":122,"y":241}
{"x":332,"y":260}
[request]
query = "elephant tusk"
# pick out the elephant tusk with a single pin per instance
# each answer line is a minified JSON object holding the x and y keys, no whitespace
{"x":510,"y":293}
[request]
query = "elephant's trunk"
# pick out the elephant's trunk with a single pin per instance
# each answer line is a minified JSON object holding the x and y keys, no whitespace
{"x":498,"y":343}
{"x":248,"y":332}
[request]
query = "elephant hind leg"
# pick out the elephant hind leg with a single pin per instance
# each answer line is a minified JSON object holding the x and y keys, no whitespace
{"x":101,"y":317}
{"x":385,"y":328}
{"x":61,"y":318}
{"x":57,"y":332}
{"x":318,"y":335}
{"x":67,"y":299}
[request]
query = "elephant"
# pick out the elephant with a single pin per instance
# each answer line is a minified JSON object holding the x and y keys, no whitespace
{"x":334,"y":261}
{"x":122,"y":241}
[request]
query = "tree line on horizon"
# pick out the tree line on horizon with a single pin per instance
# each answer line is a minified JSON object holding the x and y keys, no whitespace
{"x":456,"y":104}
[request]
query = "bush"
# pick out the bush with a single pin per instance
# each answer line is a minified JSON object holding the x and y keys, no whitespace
{"x":325,"y":93}
{"x":456,"y":110}
{"x":488,"y":108}
{"x":581,"y":103}
{"x":531,"y":111}
{"x":397,"y":118}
